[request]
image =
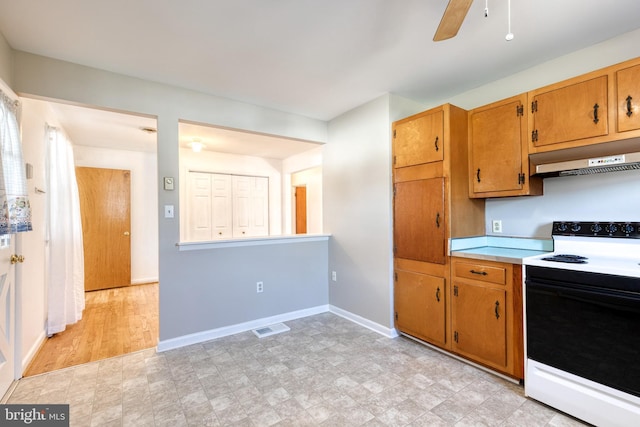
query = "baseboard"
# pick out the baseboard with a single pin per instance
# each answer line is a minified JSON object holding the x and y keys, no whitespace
{"x":144,"y":281}
{"x":31,"y":354}
{"x":211,"y":334}
{"x":376,"y":327}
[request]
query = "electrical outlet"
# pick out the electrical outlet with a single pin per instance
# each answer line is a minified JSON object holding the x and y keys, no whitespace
{"x":334,"y":276}
{"x":259,"y":287}
{"x":496,"y":225}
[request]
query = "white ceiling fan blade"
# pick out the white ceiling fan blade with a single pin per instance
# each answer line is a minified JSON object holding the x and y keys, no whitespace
{"x":452,"y":19}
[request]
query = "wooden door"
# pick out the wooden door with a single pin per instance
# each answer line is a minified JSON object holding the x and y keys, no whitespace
{"x":419,"y":220}
{"x":419,"y":302}
{"x":301,"y":210}
{"x":105,"y":199}
{"x":7,"y":313}
{"x":570,"y":113}
{"x":419,"y":140}
{"x":496,"y":148}
{"x":479,"y":323}
{"x":628,"y":95}
{"x":220,"y":208}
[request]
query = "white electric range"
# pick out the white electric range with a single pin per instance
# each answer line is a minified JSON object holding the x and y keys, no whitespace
{"x":582,"y":322}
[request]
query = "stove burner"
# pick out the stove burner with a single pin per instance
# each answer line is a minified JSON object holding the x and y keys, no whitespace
{"x":571,"y":259}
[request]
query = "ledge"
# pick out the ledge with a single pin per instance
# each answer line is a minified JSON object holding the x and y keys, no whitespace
{"x":252,"y":241}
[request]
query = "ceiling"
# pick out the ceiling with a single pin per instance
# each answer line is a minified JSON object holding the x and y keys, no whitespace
{"x":310,"y":57}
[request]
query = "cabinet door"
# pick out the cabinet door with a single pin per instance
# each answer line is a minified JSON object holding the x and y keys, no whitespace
{"x":570,"y":113}
{"x":479,"y":323}
{"x":419,"y":220}
{"x":420,"y":306}
{"x":496,"y":160}
{"x":419,"y":140}
{"x":628,"y":96}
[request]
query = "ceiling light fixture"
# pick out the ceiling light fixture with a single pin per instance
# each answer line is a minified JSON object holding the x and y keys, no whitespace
{"x":509,"y":35}
{"x":196,"y":145}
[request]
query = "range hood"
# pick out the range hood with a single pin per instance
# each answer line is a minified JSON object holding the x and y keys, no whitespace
{"x":614,"y":163}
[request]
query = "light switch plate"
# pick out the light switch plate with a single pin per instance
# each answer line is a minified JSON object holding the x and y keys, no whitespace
{"x":168,"y":183}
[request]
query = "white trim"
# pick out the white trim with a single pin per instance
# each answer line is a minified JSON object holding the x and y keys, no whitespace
{"x":257,"y":241}
{"x":376,"y":327}
{"x":211,"y":334}
{"x":28,"y":358}
{"x":145,"y":281}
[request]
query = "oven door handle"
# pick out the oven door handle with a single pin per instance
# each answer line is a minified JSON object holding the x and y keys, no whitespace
{"x":604,"y":297}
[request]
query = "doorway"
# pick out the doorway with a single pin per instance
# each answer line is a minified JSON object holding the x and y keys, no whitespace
{"x":301,"y":209}
{"x":105,"y":140}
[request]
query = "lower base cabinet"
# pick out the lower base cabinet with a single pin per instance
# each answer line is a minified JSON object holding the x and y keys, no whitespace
{"x":477,"y":316}
{"x":420,"y":306}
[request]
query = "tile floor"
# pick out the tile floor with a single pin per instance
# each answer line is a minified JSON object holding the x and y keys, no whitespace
{"x":326,"y":371}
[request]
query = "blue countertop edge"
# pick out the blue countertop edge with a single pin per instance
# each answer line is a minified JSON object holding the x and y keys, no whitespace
{"x":497,"y":248}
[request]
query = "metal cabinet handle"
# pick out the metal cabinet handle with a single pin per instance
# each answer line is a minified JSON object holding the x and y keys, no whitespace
{"x":497,"y":310}
{"x":438,"y":220}
{"x":595,"y":113}
{"x":478,"y":175}
{"x":436,"y":144}
{"x":482,"y":273}
{"x":438,"y":294}
{"x":629,"y":111}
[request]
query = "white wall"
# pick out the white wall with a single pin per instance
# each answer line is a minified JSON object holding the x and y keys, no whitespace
{"x":311,"y":179}
{"x":304,"y":169}
{"x":33,"y":307}
{"x":144,"y":200}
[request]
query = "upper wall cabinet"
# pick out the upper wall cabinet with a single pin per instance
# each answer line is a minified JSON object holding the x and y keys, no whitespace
{"x":498,"y":151}
{"x":595,"y":108}
{"x":628,"y":98}
{"x":569,"y":113}
{"x":419,"y":141}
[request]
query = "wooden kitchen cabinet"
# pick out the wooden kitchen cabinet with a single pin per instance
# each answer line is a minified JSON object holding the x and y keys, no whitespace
{"x":419,"y":141}
{"x":571,"y":112}
{"x":599,"y":110}
{"x":486,"y":314}
{"x":628,"y":98}
{"x":420,"y":305}
{"x":430,"y":206}
{"x":498,"y":151}
{"x":419,"y":220}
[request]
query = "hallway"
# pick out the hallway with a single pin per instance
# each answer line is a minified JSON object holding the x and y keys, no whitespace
{"x":115,"y":322}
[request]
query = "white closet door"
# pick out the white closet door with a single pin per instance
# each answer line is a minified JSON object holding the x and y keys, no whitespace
{"x":241,"y":205}
{"x":199,"y":224}
{"x":260,"y":206}
{"x":221,"y":206}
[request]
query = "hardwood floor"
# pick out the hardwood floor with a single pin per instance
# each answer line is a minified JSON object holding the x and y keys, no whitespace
{"x":115,"y":322}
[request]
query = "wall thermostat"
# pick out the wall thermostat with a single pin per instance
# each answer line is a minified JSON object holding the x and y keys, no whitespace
{"x":168,"y":183}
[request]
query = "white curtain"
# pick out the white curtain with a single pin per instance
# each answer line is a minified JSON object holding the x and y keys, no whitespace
{"x":65,"y":257}
{"x":15,"y":212}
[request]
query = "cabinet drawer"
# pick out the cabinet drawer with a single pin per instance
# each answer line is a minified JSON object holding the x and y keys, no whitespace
{"x":481,"y":272}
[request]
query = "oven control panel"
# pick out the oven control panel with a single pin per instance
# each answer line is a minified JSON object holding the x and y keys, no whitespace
{"x":620,"y":229}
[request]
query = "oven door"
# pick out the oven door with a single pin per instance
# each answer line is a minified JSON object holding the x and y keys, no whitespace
{"x":587,"y":324}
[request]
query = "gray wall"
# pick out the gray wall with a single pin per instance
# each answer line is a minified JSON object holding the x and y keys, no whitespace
{"x":5,"y":61}
{"x":199,"y":291}
{"x":357,"y":207}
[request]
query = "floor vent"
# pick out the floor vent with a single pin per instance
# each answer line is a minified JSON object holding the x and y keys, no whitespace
{"x":270,"y":330}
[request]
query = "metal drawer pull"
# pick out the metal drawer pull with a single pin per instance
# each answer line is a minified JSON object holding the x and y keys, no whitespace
{"x":629,"y":111}
{"x":482,"y":273}
{"x":438,"y":220}
{"x":478,"y":175}
{"x":595,"y":113}
{"x":436,"y":144}
{"x":438,"y":294}
{"x":497,"y":310}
